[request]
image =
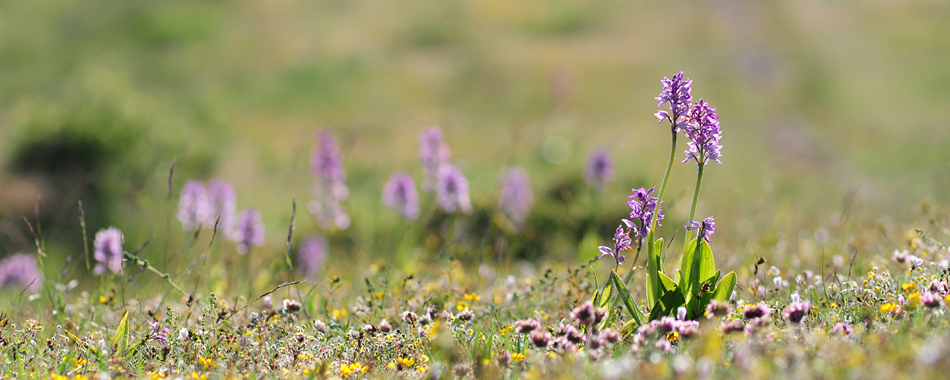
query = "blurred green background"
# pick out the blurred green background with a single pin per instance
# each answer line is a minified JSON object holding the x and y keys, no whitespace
{"x":828,"y":109}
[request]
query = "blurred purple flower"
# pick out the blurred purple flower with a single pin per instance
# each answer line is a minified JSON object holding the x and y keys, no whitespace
{"x":249,"y":231}
{"x":20,"y":271}
{"x":193,"y":206}
{"x":842,"y":328}
{"x":452,"y":190}
{"x":108,"y":251}
{"x":642,"y":206}
{"x":599,"y":169}
{"x":930,"y":299}
{"x":223,"y":203}
{"x":706,"y":228}
{"x":400,"y":194}
{"x":433,"y":153}
{"x":515,"y":199}
{"x":676,"y":93}
{"x":797,"y":309}
{"x":756,"y":312}
{"x":160,"y":335}
{"x":311,"y":255}
{"x":330,"y":190}
{"x":702,"y":129}
{"x":525,"y":326}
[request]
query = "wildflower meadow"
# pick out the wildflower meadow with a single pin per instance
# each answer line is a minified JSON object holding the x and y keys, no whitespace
{"x":476,"y":229}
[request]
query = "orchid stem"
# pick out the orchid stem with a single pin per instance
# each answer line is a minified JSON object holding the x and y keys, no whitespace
{"x":692,"y":209}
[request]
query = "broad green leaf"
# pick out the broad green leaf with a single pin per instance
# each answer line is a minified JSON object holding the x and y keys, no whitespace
{"x":707,"y":263}
{"x":595,"y":299}
{"x":624,"y":295}
{"x":724,"y":288}
{"x":685,"y":264}
{"x":606,"y":293}
{"x":667,"y":304}
{"x":121,"y":339}
{"x":714,"y":279}
{"x":667,"y":284}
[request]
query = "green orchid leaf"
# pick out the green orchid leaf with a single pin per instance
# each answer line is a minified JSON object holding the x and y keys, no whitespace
{"x":667,"y":304}
{"x":725,"y":287}
{"x":121,"y":339}
{"x":684,"y":267}
{"x":707,"y":263}
{"x":606,"y":293}
{"x":624,"y":296}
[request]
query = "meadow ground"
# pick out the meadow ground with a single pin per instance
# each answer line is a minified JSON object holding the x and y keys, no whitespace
{"x":198,"y":189}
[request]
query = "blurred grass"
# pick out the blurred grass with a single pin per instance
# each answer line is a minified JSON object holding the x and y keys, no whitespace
{"x":817,"y":99}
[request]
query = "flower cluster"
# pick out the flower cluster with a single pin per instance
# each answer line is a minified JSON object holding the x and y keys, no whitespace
{"x":202,"y":206}
{"x":311,"y":255}
{"x":108,"y":251}
{"x":400,"y":194}
{"x":20,"y":271}
{"x":668,"y":331}
{"x":706,"y":228}
{"x":433,"y":153}
{"x":642,"y":206}
{"x":452,"y":190}
{"x":599,"y":169}
{"x":702,"y":129}
{"x":326,"y":166}
{"x":249,"y":231}
{"x":515,"y":199}
{"x":622,"y":242}
{"x":677,"y":93}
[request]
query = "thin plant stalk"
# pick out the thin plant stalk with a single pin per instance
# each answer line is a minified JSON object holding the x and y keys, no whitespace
{"x":692,"y":209}
{"x":659,"y":201}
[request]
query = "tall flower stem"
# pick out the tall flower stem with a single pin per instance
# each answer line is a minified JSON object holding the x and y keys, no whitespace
{"x":659,"y":200}
{"x":692,"y":209}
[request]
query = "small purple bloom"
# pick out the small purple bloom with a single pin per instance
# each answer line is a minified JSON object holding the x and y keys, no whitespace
{"x":541,"y":338}
{"x":642,"y":206}
{"x":599,"y":169}
{"x":621,"y":242}
{"x":20,"y":271}
{"x":249,"y":231}
{"x":797,"y":310}
{"x":706,"y":228}
{"x":930,"y":299}
{"x":676,"y":93}
{"x":900,"y":256}
{"x":515,"y":199}
{"x":757,"y":312}
{"x":108,"y":251}
{"x":702,"y":129}
{"x":732,"y":326}
{"x":717,"y":309}
{"x":311,"y":255}
{"x":223,"y":203}
{"x":587,"y":314}
{"x":452,"y":190}
{"x":326,"y":166}
{"x":525,"y":326}
{"x":193,"y":206}
{"x":160,"y":336}
{"x":842,"y":328}
{"x":433,"y":153}
{"x":400,"y":194}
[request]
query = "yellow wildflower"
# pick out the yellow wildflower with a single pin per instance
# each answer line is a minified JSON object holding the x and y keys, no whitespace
{"x":517,"y":357}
